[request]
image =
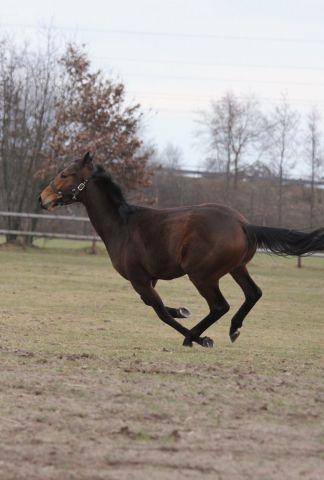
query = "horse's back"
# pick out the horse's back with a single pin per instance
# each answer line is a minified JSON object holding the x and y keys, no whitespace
{"x":183,"y":240}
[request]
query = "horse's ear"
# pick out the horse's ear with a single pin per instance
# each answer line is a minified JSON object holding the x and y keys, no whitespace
{"x":87,"y":160}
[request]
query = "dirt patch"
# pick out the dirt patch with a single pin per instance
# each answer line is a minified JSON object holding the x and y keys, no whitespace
{"x":134,"y":419}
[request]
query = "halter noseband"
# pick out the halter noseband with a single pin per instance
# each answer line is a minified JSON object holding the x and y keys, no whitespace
{"x":71,"y":194}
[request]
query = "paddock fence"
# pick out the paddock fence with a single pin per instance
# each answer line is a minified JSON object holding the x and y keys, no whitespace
{"x":53,"y":227}
{"x":53,"y":233}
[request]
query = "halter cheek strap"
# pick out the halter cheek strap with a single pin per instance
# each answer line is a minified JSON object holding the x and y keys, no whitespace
{"x":78,"y":189}
{"x":72,"y":194}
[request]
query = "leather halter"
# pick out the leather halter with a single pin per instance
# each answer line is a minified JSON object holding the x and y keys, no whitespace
{"x":65,"y":197}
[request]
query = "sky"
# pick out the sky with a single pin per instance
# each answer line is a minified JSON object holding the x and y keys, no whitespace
{"x":176,"y":56}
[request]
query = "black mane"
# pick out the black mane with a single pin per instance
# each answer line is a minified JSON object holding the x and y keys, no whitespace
{"x":113,"y":192}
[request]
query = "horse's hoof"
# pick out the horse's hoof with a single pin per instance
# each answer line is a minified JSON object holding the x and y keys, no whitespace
{"x":234,"y":336}
{"x":207,"y":342}
{"x":187,"y":342}
{"x":184,"y":312}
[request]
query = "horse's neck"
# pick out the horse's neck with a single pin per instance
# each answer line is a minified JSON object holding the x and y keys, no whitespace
{"x":104,"y":216}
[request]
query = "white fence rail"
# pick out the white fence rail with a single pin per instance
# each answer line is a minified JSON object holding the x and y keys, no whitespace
{"x":32,"y":233}
{"x":44,"y":216}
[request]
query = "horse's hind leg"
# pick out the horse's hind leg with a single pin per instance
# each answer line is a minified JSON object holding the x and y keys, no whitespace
{"x":217,"y":304}
{"x":252,"y":294}
{"x":181,"y":312}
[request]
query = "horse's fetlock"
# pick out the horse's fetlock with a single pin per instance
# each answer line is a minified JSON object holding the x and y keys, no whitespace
{"x":187,"y":342}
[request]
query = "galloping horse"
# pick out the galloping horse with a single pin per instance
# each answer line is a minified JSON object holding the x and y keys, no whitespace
{"x":204,"y":242}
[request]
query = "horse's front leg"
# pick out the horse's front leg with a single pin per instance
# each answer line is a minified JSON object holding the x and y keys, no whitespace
{"x":152,"y":298}
{"x":181,"y":312}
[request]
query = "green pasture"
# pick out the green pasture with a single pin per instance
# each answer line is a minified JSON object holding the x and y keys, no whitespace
{"x":57,"y":298}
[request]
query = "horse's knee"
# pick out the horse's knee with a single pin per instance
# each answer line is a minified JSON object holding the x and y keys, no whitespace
{"x":254,"y":295}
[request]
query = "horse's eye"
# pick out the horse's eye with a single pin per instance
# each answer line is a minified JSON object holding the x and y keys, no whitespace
{"x":63,"y":175}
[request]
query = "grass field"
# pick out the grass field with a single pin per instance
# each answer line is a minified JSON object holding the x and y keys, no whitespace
{"x":94,"y":386}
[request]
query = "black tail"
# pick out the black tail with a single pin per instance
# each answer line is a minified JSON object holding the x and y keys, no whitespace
{"x":282,"y":241}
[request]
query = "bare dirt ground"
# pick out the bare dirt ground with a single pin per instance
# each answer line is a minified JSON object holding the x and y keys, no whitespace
{"x":92,"y":386}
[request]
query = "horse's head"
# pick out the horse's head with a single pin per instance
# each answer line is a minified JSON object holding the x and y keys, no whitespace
{"x":66,"y":187}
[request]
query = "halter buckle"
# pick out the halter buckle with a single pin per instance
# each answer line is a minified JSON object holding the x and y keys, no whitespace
{"x":81,"y":186}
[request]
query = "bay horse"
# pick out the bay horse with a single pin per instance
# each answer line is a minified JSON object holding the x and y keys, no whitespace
{"x":204,"y":242}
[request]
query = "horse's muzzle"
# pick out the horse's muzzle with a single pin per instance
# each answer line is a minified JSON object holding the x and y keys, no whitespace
{"x":40,"y":202}
{"x":47,"y":205}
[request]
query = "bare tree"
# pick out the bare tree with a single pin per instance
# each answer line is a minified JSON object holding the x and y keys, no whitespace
{"x":51,"y":111}
{"x":27,"y":88}
{"x":282,"y":145}
{"x":314,"y":157}
{"x":232,"y":130}
{"x":168,"y":182}
{"x":171,"y":157}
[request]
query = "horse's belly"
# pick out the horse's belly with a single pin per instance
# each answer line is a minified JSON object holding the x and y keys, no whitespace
{"x":165,"y":270}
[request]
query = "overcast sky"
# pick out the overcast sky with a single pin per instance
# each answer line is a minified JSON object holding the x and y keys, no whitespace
{"x":175,"y":56}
